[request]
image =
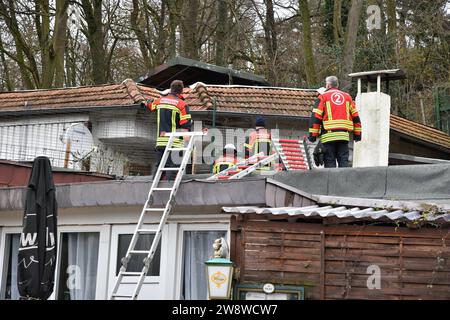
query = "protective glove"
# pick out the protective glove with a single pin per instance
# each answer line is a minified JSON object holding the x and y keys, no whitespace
{"x":146,"y":103}
{"x":357,"y":138}
{"x":312,"y":139}
{"x":318,"y":154}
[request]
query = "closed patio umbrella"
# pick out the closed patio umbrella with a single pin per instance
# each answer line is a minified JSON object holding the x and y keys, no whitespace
{"x":37,"y":250}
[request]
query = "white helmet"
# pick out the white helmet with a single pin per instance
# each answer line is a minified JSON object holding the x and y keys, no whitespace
{"x":230,"y":146}
{"x":321,"y":90}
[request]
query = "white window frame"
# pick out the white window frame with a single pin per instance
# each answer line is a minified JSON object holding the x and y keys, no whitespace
{"x":129,"y":229}
{"x":103,"y":252}
{"x":3,"y":251}
{"x":180,"y":254}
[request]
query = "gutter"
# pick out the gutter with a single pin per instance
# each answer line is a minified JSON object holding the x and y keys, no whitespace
{"x":67,"y":110}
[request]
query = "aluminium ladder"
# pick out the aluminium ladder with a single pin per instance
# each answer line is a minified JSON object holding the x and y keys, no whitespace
{"x":293,"y":154}
{"x":149,"y":254}
{"x":244,"y":167}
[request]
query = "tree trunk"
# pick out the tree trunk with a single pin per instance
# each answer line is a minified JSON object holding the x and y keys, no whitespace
{"x":42,"y":21}
{"x":392,"y":30}
{"x":271,"y":41}
{"x":7,"y":78}
{"x":30,"y":74}
{"x":351,"y":35}
{"x":173,"y":24}
{"x":161,"y":39}
{"x":337,"y":21}
{"x":59,"y":41}
{"x":189,"y":30}
{"x":95,"y":35}
{"x":221,"y":32}
{"x":307,"y":43}
{"x":135,"y":17}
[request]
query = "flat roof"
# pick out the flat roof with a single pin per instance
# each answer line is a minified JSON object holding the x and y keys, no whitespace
{"x":192,"y":71}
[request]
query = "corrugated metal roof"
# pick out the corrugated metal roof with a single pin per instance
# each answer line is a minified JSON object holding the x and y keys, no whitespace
{"x":346,"y":212}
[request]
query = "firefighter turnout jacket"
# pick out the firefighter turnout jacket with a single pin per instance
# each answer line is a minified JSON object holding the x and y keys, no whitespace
{"x":224,"y":162}
{"x":259,"y":140}
{"x":334,"y":117}
{"x":172,"y":113}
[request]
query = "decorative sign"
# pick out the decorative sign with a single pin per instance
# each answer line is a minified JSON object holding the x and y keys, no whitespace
{"x":268,"y":288}
{"x":219,"y":278}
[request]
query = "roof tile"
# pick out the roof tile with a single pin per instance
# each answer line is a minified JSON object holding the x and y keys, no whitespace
{"x":237,"y":99}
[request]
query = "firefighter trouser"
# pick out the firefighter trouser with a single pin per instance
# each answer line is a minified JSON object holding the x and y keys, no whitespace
{"x":336,"y":150}
{"x":173,"y":156}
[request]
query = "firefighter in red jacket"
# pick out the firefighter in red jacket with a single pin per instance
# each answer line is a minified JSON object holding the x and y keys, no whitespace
{"x":259,"y":140}
{"x":172,"y":113}
{"x":227,"y":160}
{"x":333,"y":118}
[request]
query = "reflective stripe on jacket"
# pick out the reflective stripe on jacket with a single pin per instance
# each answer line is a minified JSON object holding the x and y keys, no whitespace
{"x":172,"y":113}
{"x":259,"y":140}
{"x":334,"y":116}
{"x":223,"y":163}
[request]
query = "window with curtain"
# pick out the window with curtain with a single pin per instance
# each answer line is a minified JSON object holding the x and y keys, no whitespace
{"x":78,"y":266}
{"x":135,"y":264}
{"x":197,"y":248}
{"x":12,"y":250}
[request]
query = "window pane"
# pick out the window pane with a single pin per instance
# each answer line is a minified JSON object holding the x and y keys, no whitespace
{"x":78,"y":265}
{"x":197,"y":248}
{"x":136,"y":264}
{"x":11,"y":254}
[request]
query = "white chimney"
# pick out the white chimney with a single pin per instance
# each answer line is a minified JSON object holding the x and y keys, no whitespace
{"x":374,"y":109}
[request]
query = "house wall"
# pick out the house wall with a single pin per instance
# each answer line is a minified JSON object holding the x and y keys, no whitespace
{"x":109,"y":222}
{"x":336,"y":261}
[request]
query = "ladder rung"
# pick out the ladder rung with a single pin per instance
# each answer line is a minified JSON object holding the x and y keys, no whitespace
{"x":162,"y":189}
{"x":139,"y":251}
{"x":170,"y":169}
{"x":224,"y":177}
{"x":121,"y":296}
{"x":146,"y":231}
{"x":155,"y":209}
{"x":177,"y":149}
{"x":131,"y":273}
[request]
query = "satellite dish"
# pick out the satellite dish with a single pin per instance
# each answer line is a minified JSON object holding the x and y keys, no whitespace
{"x":79,"y":142}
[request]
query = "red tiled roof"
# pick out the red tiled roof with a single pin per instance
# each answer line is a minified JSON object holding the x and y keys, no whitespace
{"x":239,"y":99}
{"x":255,"y":100}
{"x":420,"y":131}
{"x":124,"y":94}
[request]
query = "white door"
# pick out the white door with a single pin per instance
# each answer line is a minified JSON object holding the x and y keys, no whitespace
{"x":153,"y":284}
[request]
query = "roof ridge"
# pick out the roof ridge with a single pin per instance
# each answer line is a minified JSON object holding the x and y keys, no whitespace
{"x":203,"y":95}
{"x":133,"y":91}
{"x":58,"y":89}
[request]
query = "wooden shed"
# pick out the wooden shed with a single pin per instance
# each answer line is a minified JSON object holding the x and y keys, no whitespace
{"x":344,"y":252}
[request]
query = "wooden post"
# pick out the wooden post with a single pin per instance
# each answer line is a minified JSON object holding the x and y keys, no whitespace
{"x":67,"y":156}
{"x":322,"y":265}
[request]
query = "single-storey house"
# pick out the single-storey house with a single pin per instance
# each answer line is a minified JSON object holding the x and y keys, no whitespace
{"x":379,"y":233}
{"x":33,"y":123}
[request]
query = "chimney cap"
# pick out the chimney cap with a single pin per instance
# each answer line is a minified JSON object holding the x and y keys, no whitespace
{"x":386,"y":75}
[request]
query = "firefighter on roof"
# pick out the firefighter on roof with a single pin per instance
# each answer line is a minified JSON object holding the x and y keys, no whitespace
{"x":333,"y":118}
{"x":227,"y":160}
{"x":172,"y":113}
{"x":259,"y":140}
